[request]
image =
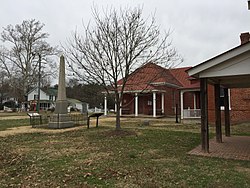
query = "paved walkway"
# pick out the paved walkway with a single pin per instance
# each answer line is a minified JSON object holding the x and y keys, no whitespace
{"x":235,"y":147}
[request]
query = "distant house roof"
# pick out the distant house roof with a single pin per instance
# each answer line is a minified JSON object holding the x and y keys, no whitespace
{"x":74,"y":101}
{"x":3,"y":94}
{"x":152,"y":77}
{"x":48,"y":91}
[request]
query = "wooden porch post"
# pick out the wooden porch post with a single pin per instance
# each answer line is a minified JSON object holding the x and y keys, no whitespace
{"x":226,"y":111}
{"x":217,"y":113}
{"x":204,"y":116}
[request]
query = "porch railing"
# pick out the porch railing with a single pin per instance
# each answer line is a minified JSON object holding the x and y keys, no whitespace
{"x":191,"y":113}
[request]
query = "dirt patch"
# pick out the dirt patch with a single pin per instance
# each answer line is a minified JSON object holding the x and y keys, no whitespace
{"x":29,"y":129}
{"x":243,"y":169}
{"x":119,"y":133}
{"x":14,"y":117}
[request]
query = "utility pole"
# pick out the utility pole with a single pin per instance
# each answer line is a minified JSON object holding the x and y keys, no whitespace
{"x":39,"y":83}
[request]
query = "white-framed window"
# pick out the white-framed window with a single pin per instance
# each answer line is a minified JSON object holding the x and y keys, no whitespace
{"x":35,"y":97}
{"x":149,"y":103}
{"x":51,"y":97}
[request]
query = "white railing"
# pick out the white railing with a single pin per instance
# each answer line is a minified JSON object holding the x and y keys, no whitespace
{"x":94,"y":110}
{"x":7,"y":109}
{"x":191,"y":113}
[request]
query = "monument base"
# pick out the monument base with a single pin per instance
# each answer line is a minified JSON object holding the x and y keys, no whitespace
{"x":61,"y":107}
{"x":60,"y":121}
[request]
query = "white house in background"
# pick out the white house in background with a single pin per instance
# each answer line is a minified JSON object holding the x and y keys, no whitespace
{"x":6,"y":97}
{"x":48,"y":98}
{"x":76,"y":104}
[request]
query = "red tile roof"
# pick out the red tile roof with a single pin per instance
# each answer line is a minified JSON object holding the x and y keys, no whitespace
{"x":153,"y":77}
{"x":182,"y":76}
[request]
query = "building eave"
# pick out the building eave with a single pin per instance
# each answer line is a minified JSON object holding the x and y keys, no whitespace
{"x":194,"y":71}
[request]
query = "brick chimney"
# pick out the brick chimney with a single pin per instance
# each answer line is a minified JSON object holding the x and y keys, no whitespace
{"x":244,"y":38}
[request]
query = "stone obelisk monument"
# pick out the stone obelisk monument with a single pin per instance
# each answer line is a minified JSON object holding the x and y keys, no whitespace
{"x":61,"y":119}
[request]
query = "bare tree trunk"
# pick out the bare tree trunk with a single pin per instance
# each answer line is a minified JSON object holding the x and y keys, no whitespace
{"x":118,"y":116}
{"x":118,"y":119}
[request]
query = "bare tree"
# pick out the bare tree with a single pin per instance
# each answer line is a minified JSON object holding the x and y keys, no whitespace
{"x":26,"y":46}
{"x":115,"y":46}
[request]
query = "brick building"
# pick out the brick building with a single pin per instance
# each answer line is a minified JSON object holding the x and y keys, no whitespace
{"x":239,"y":105}
{"x":154,"y":90}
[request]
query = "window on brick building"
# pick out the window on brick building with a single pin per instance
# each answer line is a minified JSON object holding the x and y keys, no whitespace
{"x":222,"y":98}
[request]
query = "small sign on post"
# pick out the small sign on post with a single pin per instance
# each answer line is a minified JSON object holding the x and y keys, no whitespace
{"x":97,"y":115}
{"x":33,"y":117}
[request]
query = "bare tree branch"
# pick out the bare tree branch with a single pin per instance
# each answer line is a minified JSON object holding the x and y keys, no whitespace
{"x":117,"y":44}
{"x":25,"y":42}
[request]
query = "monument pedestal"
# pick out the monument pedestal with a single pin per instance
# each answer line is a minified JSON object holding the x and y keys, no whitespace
{"x":60,"y":121}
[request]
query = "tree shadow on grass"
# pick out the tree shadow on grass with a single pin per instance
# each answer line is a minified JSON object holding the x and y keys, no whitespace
{"x":119,"y":133}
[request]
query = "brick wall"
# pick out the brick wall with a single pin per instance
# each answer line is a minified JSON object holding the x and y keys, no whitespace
{"x":128,"y":104}
{"x":188,"y":99}
{"x":239,"y":103}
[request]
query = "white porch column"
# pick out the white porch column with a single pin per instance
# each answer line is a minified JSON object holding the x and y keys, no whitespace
{"x":154,"y":104}
{"x":105,"y":105}
{"x":115,"y":106}
{"x":182,"y":104}
{"x":194,"y":101}
{"x":162,"y":103}
{"x":120,"y":105}
{"x":136,"y":104}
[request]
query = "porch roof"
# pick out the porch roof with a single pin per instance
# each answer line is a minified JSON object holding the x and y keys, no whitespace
{"x":231,"y":69}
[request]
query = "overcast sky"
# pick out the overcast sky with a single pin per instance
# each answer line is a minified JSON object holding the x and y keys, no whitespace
{"x":200,"y":29}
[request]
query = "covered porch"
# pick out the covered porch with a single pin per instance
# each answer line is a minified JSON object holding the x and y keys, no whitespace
{"x":146,"y":103}
{"x":227,"y":70}
{"x":190,"y":104}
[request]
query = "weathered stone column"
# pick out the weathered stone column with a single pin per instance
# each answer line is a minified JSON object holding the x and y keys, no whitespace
{"x":61,"y":102}
{"x":61,"y":118}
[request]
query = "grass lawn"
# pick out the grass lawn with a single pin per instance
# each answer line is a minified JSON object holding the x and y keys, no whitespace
{"x":7,"y":114}
{"x":151,"y":156}
{"x":11,"y":123}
